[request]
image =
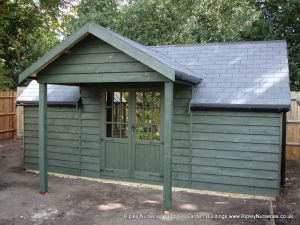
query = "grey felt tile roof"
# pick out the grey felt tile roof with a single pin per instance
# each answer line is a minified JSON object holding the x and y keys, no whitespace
{"x":236,"y":74}
{"x":57,"y":94}
{"x":242,"y":74}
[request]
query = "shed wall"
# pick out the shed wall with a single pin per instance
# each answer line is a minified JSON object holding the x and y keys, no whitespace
{"x":63,"y":139}
{"x":236,"y":152}
{"x":225,"y":151}
{"x":212,"y":150}
{"x":73,"y":136}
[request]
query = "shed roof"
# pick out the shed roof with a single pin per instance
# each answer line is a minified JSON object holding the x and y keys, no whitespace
{"x":57,"y":95}
{"x":240,"y":75}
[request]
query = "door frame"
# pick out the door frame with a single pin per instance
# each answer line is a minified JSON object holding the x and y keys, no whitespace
{"x":154,"y":176}
{"x":132,"y":89}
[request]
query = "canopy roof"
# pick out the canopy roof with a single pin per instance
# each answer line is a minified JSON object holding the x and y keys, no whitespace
{"x":158,"y":62}
{"x":57,"y":95}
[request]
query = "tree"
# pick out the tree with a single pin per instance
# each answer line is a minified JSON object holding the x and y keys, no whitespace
{"x":280,"y":19}
{"x":154,"y":22}
{"x":102,"y":12}
{"x":25,"y":35}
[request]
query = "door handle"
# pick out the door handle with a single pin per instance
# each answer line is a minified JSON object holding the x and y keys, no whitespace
{"x":133,"y":127}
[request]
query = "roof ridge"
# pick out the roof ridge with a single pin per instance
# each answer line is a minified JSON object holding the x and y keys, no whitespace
{"x":216,"y":43}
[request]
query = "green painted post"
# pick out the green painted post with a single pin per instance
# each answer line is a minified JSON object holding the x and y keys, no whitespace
{"x":168,"y":120}
{"x":43,"y":138}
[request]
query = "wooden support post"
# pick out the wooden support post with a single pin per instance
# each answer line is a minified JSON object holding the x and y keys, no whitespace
{"x":168,"y":120}
{"x":43,"y":138}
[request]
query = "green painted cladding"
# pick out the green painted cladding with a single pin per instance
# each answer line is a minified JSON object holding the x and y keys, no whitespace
{"x":212,"y":150}
{"x":225,"y":151}
{"x":93,"y":60}
{"x":73,"y":136}
{"x":236,"y":152}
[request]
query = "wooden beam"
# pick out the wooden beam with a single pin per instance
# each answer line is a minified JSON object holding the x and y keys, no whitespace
{"x":293,"y":143}
{"x":293,"y":121}
{"x":43,"y":138}
{"x":8,"y":114}
{"x":131,"y":77}
{"x":8,"y":130}
{"x":5,"y":97}
{"x":168,"y":120}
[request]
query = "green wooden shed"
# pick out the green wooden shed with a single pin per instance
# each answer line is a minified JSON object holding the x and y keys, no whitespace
{"x":203,"y":116}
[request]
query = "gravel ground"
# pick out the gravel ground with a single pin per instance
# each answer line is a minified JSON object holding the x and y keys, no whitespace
{"x":83,"y":202}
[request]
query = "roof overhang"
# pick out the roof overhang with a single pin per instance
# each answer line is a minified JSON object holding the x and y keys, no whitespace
{"x":56,"y":95}
{"x":240,"y":107}
{"x":52,"y":103}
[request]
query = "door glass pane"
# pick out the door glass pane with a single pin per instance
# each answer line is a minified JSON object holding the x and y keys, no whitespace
{"x":116,"y":114}
{"x":156,"y":116}
{"x":109,"y":99}
{"x":147,"y":132}
{"x":116,"y":130}
{"x":139,"y":132}
{"x":155,"y":132}
{"x":139,"y":99}
{"x":109,"y":116}
{"x":156,"y":99}
{"x":124,"y":131}
{"x":147,"y":115}
{"x":108,"y":130}
{"x":139,"y":115}
{"x":124,"y":107}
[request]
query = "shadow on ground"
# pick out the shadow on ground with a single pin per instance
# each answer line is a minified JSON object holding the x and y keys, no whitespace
{"x":78,"y":202}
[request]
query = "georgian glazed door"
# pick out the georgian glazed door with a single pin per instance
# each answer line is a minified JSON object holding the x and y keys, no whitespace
{"x":132,"y":138}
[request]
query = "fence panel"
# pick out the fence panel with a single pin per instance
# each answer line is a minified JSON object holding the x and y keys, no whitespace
{"x":293,"y":129}
{"x":7,"y":115}
{"x":20,"y":115}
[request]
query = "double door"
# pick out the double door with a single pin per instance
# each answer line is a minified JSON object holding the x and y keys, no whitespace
{"x":132,"y":134}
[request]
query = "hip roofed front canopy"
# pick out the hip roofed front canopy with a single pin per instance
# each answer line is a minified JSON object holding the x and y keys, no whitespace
{"x":96,"y":54}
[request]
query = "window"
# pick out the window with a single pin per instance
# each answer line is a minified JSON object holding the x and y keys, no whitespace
{"x":116,"y":114}
{"x":147,"y":117}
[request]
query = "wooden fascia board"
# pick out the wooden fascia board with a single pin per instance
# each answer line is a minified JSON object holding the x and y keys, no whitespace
{"x":54,"y":53}
{"x":132,"y":51}
{"x":102,"y":78}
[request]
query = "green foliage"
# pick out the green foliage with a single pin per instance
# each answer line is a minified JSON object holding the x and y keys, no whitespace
{"x":102,"y":12}
{"x":154,"y":22}
{"x":23,"y":38}
{"x":280,"y":20}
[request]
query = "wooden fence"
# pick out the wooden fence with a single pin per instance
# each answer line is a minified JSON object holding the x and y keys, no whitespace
{"x":20,"y":115}
{"x":293,"y":129}
{"x":7,"y":115}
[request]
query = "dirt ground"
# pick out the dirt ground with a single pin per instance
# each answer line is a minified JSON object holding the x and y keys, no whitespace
{"x":82,"y":202}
